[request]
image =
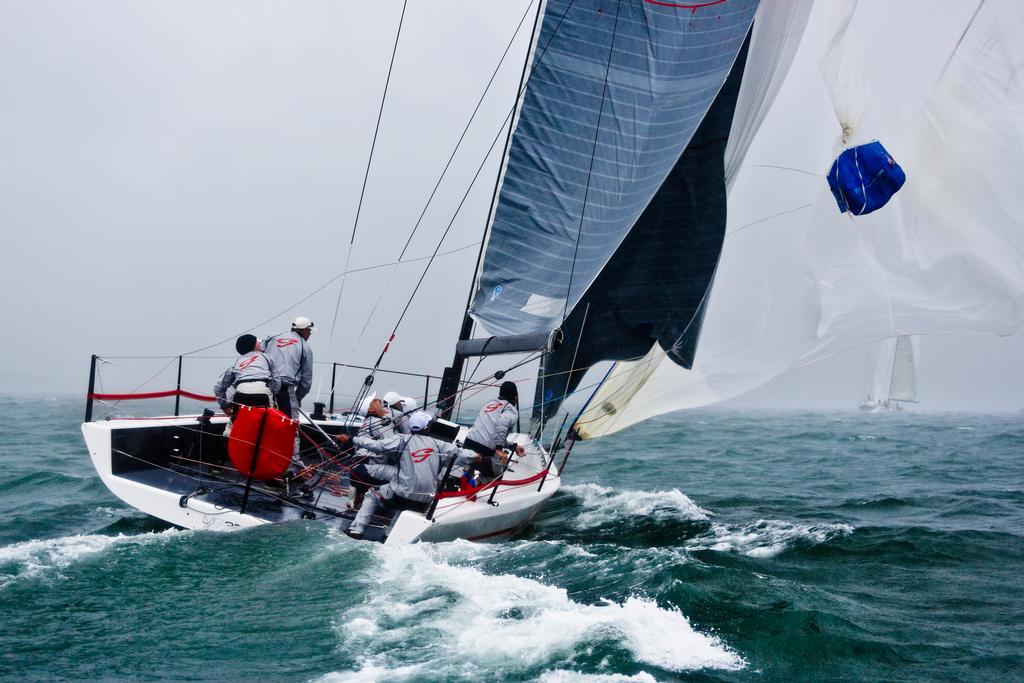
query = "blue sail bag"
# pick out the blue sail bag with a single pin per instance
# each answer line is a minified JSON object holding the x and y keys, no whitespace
{"x":864,"y":178}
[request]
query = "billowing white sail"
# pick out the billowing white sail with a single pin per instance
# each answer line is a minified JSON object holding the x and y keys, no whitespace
{"x":939,"y":84}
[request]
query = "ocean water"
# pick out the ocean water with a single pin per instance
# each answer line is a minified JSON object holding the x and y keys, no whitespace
{"x":709,"y":546}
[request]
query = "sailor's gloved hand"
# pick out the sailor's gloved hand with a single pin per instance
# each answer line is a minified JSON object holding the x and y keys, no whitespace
{"x":502,"y":456}
{"x":520,"y":450}
{"x":343,"y":439}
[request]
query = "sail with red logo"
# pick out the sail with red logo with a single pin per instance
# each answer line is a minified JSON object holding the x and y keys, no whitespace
{"x":261,"y":442}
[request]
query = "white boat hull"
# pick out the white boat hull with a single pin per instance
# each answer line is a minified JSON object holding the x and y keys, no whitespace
{"x":149,"y":481}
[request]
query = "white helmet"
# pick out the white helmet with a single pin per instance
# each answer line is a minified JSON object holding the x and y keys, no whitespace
{"x":303,"y":323}
{"x":364,"y":407}
{"x":419,"y":421}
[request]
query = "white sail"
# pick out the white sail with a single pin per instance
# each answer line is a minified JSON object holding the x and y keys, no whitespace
{"x":879,"y":379}
{"x":940,"y":87}
{"x":892,"y":374}
{"x":903,"y":379}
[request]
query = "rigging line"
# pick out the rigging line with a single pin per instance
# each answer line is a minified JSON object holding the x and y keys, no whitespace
{"x":468,"y":123}
{"x":768,"y":218}
{"x":483,"y":163}
{"x":593,"y":155}
{"x":783,"y":168}
{"x":437,"y":185}
{"x":366,"y":177}
{"x":960,"y":40}
{"x":148,"y":379}
{"x":309,"y":296}
{"x":572,"y":366}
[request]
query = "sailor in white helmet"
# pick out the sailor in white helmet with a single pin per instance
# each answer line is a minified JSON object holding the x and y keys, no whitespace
{"x":489,"y":434}
{"x":371,"y":469}
{"x":420,"y":461}
{"x":294,"y":361}
{"x":400,"y":411}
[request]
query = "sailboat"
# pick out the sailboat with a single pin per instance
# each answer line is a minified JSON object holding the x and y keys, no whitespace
{"x":618,"y":233}
{"x":892,"y":377}
{"x":606,"y":225}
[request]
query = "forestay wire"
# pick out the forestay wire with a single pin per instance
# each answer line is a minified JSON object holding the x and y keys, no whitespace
{"x":479,"y":169}
{"x":433,"y":192}
{"x":369,"y":378}
{"x":362,"y":191}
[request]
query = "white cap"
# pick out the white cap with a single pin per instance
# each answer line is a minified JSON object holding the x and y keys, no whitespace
{"x":409,"y":403}
{"x":303,"y":323}
{"x":364,"y":407}
{"x":419,"y":421}
{"x":392,"y":398}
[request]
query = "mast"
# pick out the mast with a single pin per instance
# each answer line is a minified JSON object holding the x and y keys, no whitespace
{"x":451,"y":375}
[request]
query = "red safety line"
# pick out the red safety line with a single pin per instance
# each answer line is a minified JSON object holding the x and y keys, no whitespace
{"x":504,"y":482}
{"x":152,"y":394}
{"x":164,"y":417}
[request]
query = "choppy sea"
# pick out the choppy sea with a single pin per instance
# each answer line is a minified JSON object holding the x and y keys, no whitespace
{"x":710,"y":546}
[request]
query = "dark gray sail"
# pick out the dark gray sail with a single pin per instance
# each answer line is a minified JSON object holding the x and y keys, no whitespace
{"x":653,"y":288}
{"x":616,"y":94}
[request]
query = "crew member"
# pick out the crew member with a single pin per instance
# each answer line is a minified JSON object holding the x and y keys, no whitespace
{"x":420,"y":459}
{"x":252,"y":380}
{"x":294,"y":360}
{"x":489,"y":434}
{"x":372,"y":469}
{"x":401,"y":407}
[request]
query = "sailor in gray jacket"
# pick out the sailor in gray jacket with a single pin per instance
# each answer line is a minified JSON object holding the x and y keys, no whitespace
{"x":252,"y":380}
{"x":420,"y":459}
{"x":401,"y":407}
{"x":372,"y":469}
{"x":489,"y":434}
{"x":294,"y":360}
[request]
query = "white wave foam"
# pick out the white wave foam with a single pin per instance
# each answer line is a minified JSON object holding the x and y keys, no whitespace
{"x":32,"y":558}
{"x":418,"y":601}
{"x":602,"y":504}
{"x":577,"y":677}
{"x":372,"y":674}
{"x":765,"y":537}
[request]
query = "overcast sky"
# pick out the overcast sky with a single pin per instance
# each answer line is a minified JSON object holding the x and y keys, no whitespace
{"x":173,"y":174}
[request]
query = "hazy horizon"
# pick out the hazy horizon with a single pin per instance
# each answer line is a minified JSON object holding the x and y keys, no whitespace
{"x":172,"y":178}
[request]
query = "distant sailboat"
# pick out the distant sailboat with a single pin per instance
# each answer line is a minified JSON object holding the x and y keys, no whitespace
{"x":892,"y":380}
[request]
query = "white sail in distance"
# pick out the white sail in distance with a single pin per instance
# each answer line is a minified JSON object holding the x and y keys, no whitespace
{"x":892,"y":374}
{"x":903,"y":380}
{"x":800,"y":281}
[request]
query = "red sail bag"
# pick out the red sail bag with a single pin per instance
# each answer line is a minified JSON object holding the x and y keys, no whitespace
{"x":262,"y":441}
